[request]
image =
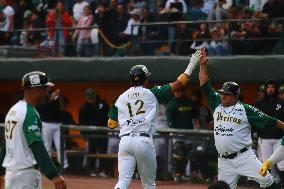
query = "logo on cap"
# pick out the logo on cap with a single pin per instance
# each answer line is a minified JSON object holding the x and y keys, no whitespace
{"x":34,"y":79}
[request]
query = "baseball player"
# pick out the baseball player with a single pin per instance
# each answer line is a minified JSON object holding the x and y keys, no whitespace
{"x":232,"y":131}
{"x":24,"y":150}
{"x":135,"y":111}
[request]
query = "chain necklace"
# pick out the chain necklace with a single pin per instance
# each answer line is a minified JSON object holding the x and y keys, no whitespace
{"x":223,"y":109}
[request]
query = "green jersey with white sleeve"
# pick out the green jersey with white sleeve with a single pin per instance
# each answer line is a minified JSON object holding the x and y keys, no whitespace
{"x":232,"y":125}
{"x":22,"y":128}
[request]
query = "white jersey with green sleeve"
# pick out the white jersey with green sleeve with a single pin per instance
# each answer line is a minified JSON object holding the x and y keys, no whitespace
{"x":22,"y":128}
{"x":232,"y":125}
{"x":136,"y":109}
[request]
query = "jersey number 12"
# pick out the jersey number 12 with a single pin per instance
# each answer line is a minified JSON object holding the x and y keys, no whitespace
{"x":140,"y":110}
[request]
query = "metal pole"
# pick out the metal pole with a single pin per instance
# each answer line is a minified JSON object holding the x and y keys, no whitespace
{"x":61,"y":151}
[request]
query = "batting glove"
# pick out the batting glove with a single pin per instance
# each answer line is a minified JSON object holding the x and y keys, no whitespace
{"x":193,"y":61}
{"x":265,"y":166}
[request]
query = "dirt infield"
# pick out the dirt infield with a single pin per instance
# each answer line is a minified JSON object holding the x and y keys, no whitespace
{"x":76,"y":182}
{"x":85,"y":182}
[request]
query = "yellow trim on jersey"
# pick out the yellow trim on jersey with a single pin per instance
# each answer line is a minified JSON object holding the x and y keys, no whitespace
{"x":183,"y":79}
{"x":112,"y":123}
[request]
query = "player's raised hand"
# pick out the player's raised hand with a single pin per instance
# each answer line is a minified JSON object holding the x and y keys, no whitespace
{"x":59,"y":183}
{"x":265,"y":166}
{"x":195,"y":57}
{"x":203,"y":59}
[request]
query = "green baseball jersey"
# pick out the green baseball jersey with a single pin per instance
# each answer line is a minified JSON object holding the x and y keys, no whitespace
{"x":136,"y":109}
{"x":181,"y":112}
{"x":22,"y":128}
{"x":232,"y":125}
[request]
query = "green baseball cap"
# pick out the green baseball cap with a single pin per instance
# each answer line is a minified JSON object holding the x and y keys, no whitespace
{"x":281,"y":89}
{"x":261,"y":88}
{"x":90,"y":93}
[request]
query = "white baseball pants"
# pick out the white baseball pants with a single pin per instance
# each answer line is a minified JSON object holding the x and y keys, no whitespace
{"x":23,"y":179}
{"x":245,"y":164}
{"x":51,"y":132}
{"x":138,"y":150}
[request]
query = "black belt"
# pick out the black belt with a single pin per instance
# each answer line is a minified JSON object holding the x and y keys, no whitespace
{"x":233,"y":155}
{"x":138,"y":134}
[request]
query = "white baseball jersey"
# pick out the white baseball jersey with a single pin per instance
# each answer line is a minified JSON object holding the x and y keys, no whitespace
{"x":22,"y":128}
{"x":136,"y":109}
{"x":232,"y":125}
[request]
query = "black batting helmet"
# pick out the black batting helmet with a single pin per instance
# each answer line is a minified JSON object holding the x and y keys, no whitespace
{"x":35,"y":79}
{"x":230,"y":88}
{"x":139,"y":74}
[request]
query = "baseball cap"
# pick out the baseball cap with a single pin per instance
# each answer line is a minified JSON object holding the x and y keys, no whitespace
{"x":261,"y":88}
{"x":230,"y":88}
{"x":135,"y":12}
{"x":90,"y":93}
{"x":35,"y":79}
{"x":281,"y":89}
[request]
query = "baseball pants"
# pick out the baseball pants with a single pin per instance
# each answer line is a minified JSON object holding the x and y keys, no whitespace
{"x":138,"y":150}
{"x":266,"y":148}
{"x":245,"y":164}
{"x":23,"y":179}
{"x":51,"y":133}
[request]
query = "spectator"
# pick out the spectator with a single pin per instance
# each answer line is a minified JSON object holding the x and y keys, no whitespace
{"x":217,"y":45}
{"x":260,"y":92}
{"x":182,"y":113}
{"x":24,"y":38}
{"x":36,"y":23}
{"x":50,"y":114}
{"x":204,"y":113}
{"x":94,"y":112}
{"x":59,"y":18}
{"x":217,"y":13}
{"x":270,"y":138}
{"x":104,"y":20}
{"x":140,"y":4}
{"x":67,"y":119}
{"x":281,"y":92}
{"x":184,"y":40}
{"x":120,"y":22}
{"x":78,"y":9}
{"x":83,"y":36}
{"x":197,"y":12}
{"x":131,"y":30}
{"x":200,"y":37}
{"x":6,"y":23}
{"x":148,"y":33}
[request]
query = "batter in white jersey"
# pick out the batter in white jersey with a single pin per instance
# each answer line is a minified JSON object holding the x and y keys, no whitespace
{"x":24,"y":149}
{"x":232,"y":131}
{"x":136,"y":113}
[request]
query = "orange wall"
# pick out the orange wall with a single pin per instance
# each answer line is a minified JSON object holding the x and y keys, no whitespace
{"x":11,"y":91}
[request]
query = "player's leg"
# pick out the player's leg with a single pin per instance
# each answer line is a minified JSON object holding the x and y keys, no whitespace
{"x":48,"y":131}
{"x":56,"y":139}
{"x":280,"y":165}
{"x":179,"y":159}
{"x":126,"y":162}
{"x":248,"y":165}
{"x":146,"y":161}
{"x":266,"y":148}
{"x":23,"y":179}
{"x":227,"y":172}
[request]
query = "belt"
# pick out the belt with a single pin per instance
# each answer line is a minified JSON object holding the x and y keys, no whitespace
{"x":136,"y":134}
{"x":233,"y":155}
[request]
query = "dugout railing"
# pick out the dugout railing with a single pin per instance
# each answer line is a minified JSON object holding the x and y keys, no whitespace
{"x":195,"y":135}
{"x":168,"y":134}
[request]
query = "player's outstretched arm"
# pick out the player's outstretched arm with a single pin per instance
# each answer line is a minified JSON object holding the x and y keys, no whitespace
{"x":203,"y":75}
{"x":183,"y":78}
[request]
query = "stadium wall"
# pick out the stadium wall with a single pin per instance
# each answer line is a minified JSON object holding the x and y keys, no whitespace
{"x":248,"y":69}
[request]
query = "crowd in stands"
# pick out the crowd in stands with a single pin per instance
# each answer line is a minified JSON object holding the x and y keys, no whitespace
{"x":117,"y":22}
